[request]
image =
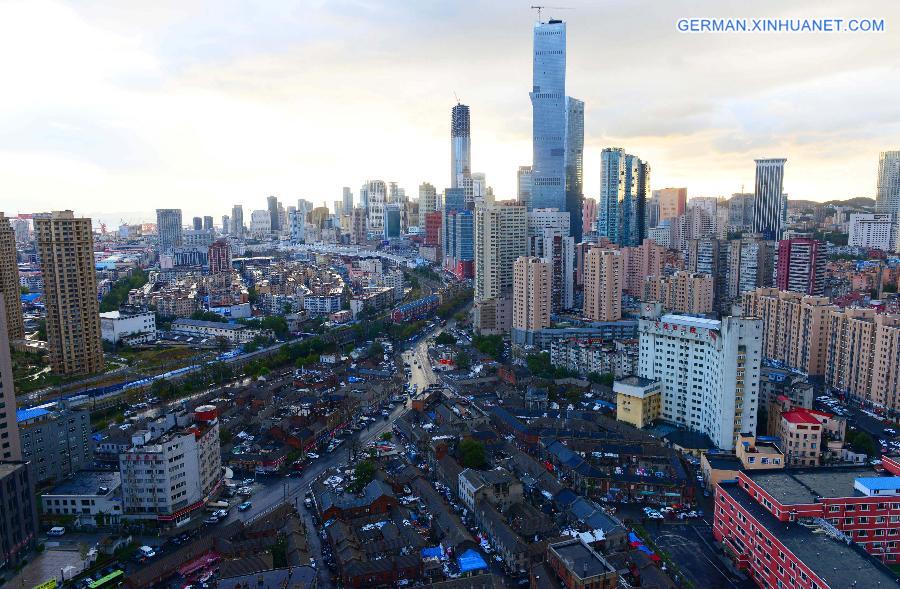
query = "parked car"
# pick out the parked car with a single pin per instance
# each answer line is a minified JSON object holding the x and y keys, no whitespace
{"x":56,"y":531}
{"x":245,"y":506}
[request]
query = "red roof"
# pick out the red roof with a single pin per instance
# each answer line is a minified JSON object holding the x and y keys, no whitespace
{"x":800,"y":415}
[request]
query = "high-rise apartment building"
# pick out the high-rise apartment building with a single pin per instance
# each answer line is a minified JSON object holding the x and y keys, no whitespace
{"x":374,"y":196}
{"x":770,"y":202}
{"x":559,"y":251}
{"x":878,"y":231}
{"x":169,"y":229}
{"x":574,"y":164}
{"x":219,"y":257}
{"x":523,"y":186}
{"x":683,"y":292}
{"x":588,"y":216}
{"x":197,"y":223}
{"x":226,"y":225}
{"x":801,"y":266}
{"x":647,"y":259}
{"x":10,"y":448}
{"x":603,"y":284}
{"x":392,"y":220}
{"x":427,"y":201}
{"x":66,"y":248}
{"x":750,"y":265}
{"x":274,"y":215}
{"x":358,"y":226}
{"x":887,"y":195}
{"x":795,"y":327}
{"x":500,"y":239}
{"x":9,"y":281}
{"x":624,"y":182}
{"x":709,"y":371}
{"x":207,"y":223}
{"x":531,"y":294}
{"x":710,"y":256}
{"x":548,"y":103}
{"x":864,"y":356}
{"x":460,"y":144}
{"x":672,"y":202}
{"x":237,"y":221}
{"x":543,"y":223}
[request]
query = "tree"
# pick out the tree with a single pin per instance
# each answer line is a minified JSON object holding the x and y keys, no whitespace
{"x":364,"y":473}
{"x":387,"y":436}
{"x":445,"y":339}
{"x":862,"y":442}
{"x":472,"y":454}
{"x":463,"y":360}
{"x":252,"y":295}
{"x":118,"y":294}
{"x":376,"y":350}
{"x":606,"y":379}
{"x":201,"y":315}
{"x":492,"y":345}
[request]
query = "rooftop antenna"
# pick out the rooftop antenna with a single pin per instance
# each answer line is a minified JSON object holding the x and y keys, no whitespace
{"x":456,"y":97}
{"x":540,"y":8}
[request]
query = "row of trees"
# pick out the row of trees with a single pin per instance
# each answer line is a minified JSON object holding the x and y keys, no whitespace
{"x":118,"y":294}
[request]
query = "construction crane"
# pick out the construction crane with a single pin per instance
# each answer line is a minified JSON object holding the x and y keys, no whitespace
{"x":540,"y":8}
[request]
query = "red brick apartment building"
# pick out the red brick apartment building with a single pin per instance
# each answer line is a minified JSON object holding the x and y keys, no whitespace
{"x":812,"y":528}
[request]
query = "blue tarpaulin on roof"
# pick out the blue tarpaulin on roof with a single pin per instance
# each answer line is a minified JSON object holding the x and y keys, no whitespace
{"x":431,"y":552}
{"x":643,"y":548}
{"x":632,"y":537}
{"x":470,"y":560}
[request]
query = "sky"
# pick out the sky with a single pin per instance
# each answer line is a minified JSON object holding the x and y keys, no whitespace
{"x":114,"y":109}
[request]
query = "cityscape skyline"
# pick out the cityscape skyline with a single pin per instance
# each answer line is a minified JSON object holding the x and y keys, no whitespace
{"x":142,"y":119}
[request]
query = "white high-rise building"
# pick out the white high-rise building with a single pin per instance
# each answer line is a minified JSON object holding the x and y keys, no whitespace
{"x":373,"y":196}
{"x":499,"y":241}
{"x":709,"y":371}
{"x":887,"y":197}
{"x":545,"y":223}
{"x":877,"y":231}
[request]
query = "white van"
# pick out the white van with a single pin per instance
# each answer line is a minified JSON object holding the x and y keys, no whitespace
{"x":56,"y":531}
{"x":147,"y":551}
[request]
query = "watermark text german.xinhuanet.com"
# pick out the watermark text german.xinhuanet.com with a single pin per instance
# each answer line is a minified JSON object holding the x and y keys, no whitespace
{"x":780,"y":25}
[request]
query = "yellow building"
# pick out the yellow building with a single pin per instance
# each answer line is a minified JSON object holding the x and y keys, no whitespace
{"x":638,"y":400}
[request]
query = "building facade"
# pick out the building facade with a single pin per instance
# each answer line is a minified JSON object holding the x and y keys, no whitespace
{"x":548,"y":103}
{"x":887,"y":196}
{"x":56,"y":441}
{"x":460,"y":144}
{"x":603,"y":285}
{"x":770,"y":203}
{"x":878,"y":231}
{"x":683,"y":292}
{"x":531,"y":294}
{"x":169,"y":229}
{"x":10,"y":446}
{"x":710,"y":372}
{"x":9,"y":280}
{"x":66,"y":248}
{"x":801,"y":266}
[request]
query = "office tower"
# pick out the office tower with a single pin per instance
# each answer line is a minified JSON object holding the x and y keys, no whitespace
{"x":66,"y":247}
{"x":433,"y":228}
{"x":878,"y":231}
{"x":801,"y":266}
{"x":672,"y":202}
{"x":647,"y":259}
{"x":624,"y":181}
{"x":23,"y":233}
{"x":603,"y":285}
{"x":374,"y":193}
{"x":226,"y":225}
{"x":460,"y":144}
{"x":795,"y":327}
{"x":863,"y":358}
{"x":463,"y":227}
{"x":531,"y":294}
{"x":544,"y":223}
{"x":427,"y":202}
{"x":169,"y":229}
{"x":274,"y":218}
{"x":548,"y":102}
{"x":559,"y":251}
{"x":588,"y":216}
{"x":260,"y":224}
{"x":9,"y":281}
{"x":500,"y":239}
{"x":237,"y":221}
{"x":454,"y":202}
{"x":337,"y":211}
{"x":575,"y":164}
{"x":709,"y":371}
{"x":475,"y":188}
{"x":770,"y":202}
{"x":710,"y":256}
{"x":887,"y":195}
{"x":740,"y":211}
{"x":207,"y":223}
{"x":523,"y":186}
{"x":219,"y":257}
{"x":392,"y":221}
{"x":683,"y":292}
{"x":347,"y":201}
{"x":358,"y":226}
{"x":197,"y":223}
{"x":10,"y":448}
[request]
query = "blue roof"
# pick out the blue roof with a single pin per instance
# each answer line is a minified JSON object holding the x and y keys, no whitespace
{"x":26,"y":414}
{"x":471,"y":560}
{"x":880,"y":483}
{"x":432,"y":552}
{"x":31,"y":297}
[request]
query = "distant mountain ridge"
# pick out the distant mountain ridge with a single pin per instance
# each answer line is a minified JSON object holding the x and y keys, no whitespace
{"x":862,"y":202}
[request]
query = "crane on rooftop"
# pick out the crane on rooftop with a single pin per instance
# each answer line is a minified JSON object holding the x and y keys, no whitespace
{"x":540,"y":8}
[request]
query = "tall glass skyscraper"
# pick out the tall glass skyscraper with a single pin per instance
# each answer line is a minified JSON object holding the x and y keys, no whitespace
{"x":887,"y":197}
{"x":460,"y":144}
{"x":574,"y":164}
{"x":770,"y":204}
{"x":624,"y":184}
{"x":548,"y":104}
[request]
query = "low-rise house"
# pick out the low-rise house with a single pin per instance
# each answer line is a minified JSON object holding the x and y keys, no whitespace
{"x":579,"y":566}
{"x":498,"y":487}
{"x":376,"y":497}
{"x":92,"y":498}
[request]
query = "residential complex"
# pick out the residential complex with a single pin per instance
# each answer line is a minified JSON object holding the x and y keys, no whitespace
{"x":66,"y":247}
{"x":801,"y":266}
{"x":683,"y":292}
{"x":603,"y":285}
{"x":9,"y":280}
{"x":531,"y":294}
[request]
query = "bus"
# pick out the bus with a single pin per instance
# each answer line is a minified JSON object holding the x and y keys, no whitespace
{"x":114,"y":579}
